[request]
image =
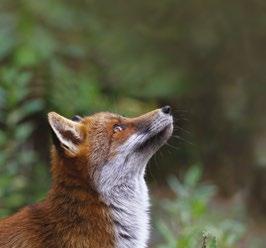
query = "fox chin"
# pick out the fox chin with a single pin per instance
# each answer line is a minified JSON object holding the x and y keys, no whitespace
{"x":98,"y":197}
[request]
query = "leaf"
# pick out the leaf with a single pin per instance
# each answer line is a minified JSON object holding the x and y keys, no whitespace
{"x":32,"y":106}
{"x":193,"y":176}
{"x":26,"y":56}
{"x":212,"y":243}
{"x":177,"y":187}
{"x":23,"y":131}
{"x":168,"y":236}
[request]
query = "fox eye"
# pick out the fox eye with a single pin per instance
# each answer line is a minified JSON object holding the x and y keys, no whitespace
{"x":118,"y":128}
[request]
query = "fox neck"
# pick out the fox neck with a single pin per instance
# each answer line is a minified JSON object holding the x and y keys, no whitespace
{"x":78,"y":217}
{"x":126,"y":194}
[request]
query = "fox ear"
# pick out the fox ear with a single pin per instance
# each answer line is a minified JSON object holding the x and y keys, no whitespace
{"x":67,"y":133}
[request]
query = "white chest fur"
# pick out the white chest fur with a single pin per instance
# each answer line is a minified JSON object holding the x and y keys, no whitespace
{"x":130,"y":205}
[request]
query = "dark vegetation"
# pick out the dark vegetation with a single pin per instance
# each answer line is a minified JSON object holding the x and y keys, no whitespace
{"x":206,"y":59}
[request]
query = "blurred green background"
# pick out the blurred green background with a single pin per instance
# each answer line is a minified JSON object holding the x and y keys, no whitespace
{"x":204,"y":58}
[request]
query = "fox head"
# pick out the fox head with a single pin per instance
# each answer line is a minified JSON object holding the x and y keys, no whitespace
{"x":102,"y":150}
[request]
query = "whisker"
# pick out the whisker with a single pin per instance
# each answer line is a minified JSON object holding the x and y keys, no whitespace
{"x":180,"y":111}
{"x":182,"y":129}
{"x":169,"y":151}
{"x":180,"y":138}
{"x":181,"y":118}
{"x":175,"y":148}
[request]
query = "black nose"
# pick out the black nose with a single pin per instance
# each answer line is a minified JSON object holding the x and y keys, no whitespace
{"x":166,"y":109}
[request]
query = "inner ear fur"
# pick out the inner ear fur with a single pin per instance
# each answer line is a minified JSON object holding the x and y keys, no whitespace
{"x":68,"y":132}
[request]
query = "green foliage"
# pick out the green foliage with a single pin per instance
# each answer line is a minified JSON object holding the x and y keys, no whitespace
{"x":190,"y":222}
{"x":78,"y":57}
{"x":17,"y":157}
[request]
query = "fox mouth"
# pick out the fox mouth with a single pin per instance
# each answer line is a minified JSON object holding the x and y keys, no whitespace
{"x":156,"y":140}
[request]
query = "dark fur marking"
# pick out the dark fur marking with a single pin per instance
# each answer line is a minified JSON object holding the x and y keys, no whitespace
{"x":125,"y":236}
{"x":76,"y":118}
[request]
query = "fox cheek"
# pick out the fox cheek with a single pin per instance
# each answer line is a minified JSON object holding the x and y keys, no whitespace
{"x":67,"y":134}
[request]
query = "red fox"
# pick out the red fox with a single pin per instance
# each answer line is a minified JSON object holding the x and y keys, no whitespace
{"x":98,"y":197}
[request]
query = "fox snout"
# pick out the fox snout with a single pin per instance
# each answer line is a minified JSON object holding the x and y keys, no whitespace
{"x":154,"y":129}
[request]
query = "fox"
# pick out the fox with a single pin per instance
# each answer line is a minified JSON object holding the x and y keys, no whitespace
{"x":98,"y":196}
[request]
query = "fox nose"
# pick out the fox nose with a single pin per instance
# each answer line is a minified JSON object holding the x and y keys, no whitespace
{"x":166,"y":109}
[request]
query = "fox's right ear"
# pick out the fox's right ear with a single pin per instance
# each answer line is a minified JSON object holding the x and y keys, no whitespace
{"x":68,"y":133}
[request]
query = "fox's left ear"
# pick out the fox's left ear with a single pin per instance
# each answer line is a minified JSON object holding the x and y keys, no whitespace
{"x":68,"y":133}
